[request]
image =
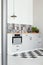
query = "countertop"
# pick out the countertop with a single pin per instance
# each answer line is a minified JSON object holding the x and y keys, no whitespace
{"x":22,"y":33}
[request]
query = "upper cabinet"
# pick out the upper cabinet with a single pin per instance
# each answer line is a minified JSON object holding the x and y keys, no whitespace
{"x":23,"y":10}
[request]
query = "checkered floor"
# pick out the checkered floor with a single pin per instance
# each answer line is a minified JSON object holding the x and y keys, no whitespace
{"x":30,"y":54}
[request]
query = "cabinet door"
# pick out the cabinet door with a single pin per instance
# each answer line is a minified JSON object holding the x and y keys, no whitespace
{"x":37,"y":41}
{"x":24,"y":42}
{"x":27,"y":42}
{"x":11,"y":47}
{"x":9,"y":43}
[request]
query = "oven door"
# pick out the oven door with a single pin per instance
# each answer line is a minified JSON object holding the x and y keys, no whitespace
{"x":17,"y":40}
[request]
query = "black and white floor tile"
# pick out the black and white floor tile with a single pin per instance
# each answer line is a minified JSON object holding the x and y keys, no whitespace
{"x":23,"y":55}
{"x":30,"y":54}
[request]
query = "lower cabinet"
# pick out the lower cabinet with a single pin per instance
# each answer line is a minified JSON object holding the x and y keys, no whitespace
{"x":29,"y":42}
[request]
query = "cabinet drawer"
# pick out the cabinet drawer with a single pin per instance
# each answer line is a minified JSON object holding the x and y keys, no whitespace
{"x":16,"y":48}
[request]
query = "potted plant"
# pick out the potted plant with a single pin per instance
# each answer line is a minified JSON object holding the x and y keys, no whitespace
{"x":35,"y":30}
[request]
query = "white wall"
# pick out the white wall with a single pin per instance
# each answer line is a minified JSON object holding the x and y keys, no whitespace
{"x":23,"y":11}
{"x":38,"y":14}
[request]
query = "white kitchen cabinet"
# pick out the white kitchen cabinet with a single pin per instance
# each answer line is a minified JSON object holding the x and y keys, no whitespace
{"x":11,"y":48}
{"x":37,"y":40}
{"x":30,"y":41}
{"x":9,"y":43}
{"x":23,"y":11}
{"x":27,"y":42}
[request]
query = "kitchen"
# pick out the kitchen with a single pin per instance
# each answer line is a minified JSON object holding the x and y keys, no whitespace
{"x":21,"y":38}
{"x":24,"y":32}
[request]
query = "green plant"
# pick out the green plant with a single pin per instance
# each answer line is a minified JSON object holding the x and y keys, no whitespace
{"x":35,"y":29}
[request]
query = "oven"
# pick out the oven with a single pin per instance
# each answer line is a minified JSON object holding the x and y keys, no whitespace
{"x":17,"y":39}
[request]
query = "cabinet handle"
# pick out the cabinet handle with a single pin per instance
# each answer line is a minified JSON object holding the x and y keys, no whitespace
{"x":17,"y":46}
{"x":17,"y":49}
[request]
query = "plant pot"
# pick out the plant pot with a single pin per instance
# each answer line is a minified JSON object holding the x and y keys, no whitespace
{"x":37,"y":31}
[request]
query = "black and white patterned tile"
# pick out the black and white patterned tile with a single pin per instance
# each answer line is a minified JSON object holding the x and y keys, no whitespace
{"x":15,"y":54}
{"x":30,"y":54}
{"x":41,"y":50}
{"x":23,"y":55}
{"x":19,"y":28}
{"x":38,"y":53}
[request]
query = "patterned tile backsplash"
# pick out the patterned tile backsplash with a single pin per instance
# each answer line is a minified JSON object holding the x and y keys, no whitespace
{"x":19,"y":28}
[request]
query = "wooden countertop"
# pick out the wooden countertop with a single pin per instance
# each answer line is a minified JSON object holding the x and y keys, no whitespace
{"x":22,"y":33}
